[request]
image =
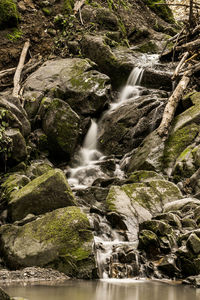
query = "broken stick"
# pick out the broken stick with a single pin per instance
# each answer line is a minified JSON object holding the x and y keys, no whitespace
{"x":19,"y":69}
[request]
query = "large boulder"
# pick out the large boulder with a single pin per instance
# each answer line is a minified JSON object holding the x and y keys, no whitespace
{"x":72,"y":80}
{"x":62,"y":127}
{"x":43,"y":194}
{"x":61,"y":240}
{"x":169,"y":156}
{"x":138,"y":202}
{"x":124,"y":128}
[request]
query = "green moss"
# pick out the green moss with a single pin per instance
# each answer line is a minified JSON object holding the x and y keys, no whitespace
{"x":144,"y":175}
{"x":148,"y":47}
{"x":68,"y":6}
{"x":163,"y":11}
{"x":13,"y":183}
{"x":110,"y":200}
{"x":8,"y":13}
{"x":47,"y":11}
{"x":178,"y":141}
{"x":69,"y":230}
{"x":15,"y":35}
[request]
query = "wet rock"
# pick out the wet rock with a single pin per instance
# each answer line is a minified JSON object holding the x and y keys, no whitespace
{"x":61,"y":240}
{"x":171,"y":218}
{"x":168,"y":266}
{"x":123,"y":129}
{"x":45,"y":193}
{"x":38,"y":168}
{"x":157,"y":79}
{"x":18,"y":151}
{"x":89,"y":196}
{"x":192,"y":280}
{"x":180,"y":204}
{"x":154,"y":154}
{"x":116,"y":220}
{"x":144,"y":176}
{"x":148,"y":156}
{"x":62,"y":127}
{"x":188,"y":223}
{"x":148,"y":241}
{"x":186,"y":262}
{"x":158,"y":227}
{"x":193,"y":243}
{"x":13,"y":183}
{"x":72,"y":80}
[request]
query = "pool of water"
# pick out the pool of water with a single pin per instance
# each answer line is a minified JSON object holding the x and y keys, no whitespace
{"x":105,"y":290}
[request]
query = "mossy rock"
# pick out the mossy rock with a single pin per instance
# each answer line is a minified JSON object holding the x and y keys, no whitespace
{"x":151,"y":195}
{"x":147,"y":47}
{"x":163,"y":11}
{"x":177,"y":142}
{"x":61,"y":239}
{"x":144,"y":176}
{"x":62,"y":127}
{"x":43,"y":194}
{"x":13,"y":183}
{"x":8,"y":13}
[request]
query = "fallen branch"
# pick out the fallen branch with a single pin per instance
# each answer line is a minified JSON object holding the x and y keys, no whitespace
{"x":180,"y":65}
{"x":19,"y":69}
{"x":189,"y":46}
{"x":7,"y":72}
{"x":171,"y":106}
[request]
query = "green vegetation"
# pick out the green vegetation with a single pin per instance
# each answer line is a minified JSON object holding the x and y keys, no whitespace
{"x":15,"y":35}
{"x":163,"y":11}
{"x":8,"y":13}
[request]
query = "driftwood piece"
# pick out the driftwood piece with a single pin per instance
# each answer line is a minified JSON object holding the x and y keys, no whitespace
{"x":189,"y":46}
{"x":174,"y":99}
{"x":7,"y":72}
{"x":19,"y":69}
{"x":180,"y":65}
{"x":171,"y":106}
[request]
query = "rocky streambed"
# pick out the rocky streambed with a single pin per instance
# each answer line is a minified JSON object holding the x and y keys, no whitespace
{"x":88,"y":187}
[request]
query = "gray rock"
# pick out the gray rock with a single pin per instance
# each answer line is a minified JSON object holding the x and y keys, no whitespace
{"x":18,"y":150}
{"x":61,"y":240}
{"x":124,"y":128}
{"x":193,"y":243}
{"x":45,"y":193}
{"x":180,"y":204}
{"x":72,"y":80}
{"x":19,"y":117}
{"x":62,"y":127}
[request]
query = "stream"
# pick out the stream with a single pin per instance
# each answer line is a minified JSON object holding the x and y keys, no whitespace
{"x":106,"y":290}
{"x":119,"y":264}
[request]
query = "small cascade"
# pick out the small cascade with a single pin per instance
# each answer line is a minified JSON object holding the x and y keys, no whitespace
{"x":133,"y":89}
{"x":116,"y":256}
{"x":85,"y":173}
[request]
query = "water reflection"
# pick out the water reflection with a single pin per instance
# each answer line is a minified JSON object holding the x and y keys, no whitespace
{"x":106,"y":290}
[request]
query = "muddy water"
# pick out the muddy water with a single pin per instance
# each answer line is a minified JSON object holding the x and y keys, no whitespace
{"x":106,"y":290}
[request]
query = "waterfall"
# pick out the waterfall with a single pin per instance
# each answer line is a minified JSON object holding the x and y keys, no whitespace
{"x":115,"y":249}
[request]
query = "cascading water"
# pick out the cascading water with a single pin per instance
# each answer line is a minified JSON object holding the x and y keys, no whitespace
{"x":116,"y":253}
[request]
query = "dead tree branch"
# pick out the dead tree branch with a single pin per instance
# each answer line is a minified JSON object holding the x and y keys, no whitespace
{"x":19,"y":69}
